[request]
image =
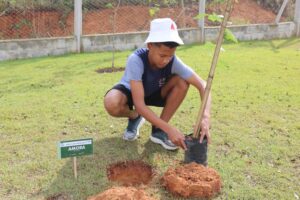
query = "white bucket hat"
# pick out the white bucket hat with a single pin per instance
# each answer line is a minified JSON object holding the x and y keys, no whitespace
{"x":163,"y":30}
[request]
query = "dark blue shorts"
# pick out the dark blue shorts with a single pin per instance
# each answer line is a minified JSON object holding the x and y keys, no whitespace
{"x":155,"y":99}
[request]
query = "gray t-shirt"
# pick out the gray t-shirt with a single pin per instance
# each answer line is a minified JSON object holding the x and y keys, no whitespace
{"x":137,"y":65}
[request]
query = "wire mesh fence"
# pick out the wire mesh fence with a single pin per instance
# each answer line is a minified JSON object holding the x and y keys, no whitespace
{"x":134,"y":16}
{"x":35,"y":18}
{"x":55,"y":18}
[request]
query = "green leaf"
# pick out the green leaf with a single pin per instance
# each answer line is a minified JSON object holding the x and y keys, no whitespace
{"x":109,"y":5}
{"x":153,"y":11}
{"x":214,"y":18}
{"x":228,"y":36}
{"x":200,"y":16}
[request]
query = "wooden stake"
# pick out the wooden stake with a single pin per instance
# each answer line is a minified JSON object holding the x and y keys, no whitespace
{"x":213,"y":67}
{"x":75,"y":167}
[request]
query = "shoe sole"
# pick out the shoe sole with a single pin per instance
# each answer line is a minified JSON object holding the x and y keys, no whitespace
{"x":158,"y":141}
{"x":137,"y":132}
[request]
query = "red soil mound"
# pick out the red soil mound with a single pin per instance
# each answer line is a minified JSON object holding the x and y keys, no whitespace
{"x":192,"y":180}
{"x":122,"y":193}
{"x":130,"y":173}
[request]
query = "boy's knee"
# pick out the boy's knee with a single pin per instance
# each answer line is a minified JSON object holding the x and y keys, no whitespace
{"x":112,"y":105}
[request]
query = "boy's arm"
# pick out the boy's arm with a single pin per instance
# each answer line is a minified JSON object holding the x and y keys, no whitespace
{"x":200,"y":84}
{"x":137,"y":91}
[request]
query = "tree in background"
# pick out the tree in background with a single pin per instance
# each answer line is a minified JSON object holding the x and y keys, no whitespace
{"x":115,"y":7}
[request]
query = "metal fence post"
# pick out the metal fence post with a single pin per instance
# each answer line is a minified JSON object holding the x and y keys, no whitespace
{"x":297,"y":17}
{"x":201,"y":21}
{"x":281,"y":11}
{"x":78,"y":23}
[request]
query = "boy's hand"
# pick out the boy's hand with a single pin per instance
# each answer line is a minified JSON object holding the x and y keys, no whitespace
{"x":177,"y":138}
{"x":205,"y":130}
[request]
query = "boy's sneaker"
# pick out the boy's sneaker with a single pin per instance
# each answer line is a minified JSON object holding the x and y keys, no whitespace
{"x":160,"y":137}
{"x":132,"y":131}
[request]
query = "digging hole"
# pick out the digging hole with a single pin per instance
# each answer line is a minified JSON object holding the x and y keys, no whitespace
{"x":130,"y":173}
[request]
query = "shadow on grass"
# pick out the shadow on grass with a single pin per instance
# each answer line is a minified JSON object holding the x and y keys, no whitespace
{"x":92,"y":178}
{"x":275,"y":45}
{"x":286,"y":43}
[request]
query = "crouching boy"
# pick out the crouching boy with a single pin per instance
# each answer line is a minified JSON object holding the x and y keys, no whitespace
{"x":155,"y":76}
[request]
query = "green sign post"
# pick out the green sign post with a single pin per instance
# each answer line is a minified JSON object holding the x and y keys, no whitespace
{"x":74,"y":148}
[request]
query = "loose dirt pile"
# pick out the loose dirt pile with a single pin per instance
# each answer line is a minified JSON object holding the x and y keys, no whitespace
{"x":130,"y":173}
{"x":122,"y":193}
{"x":192,"y":180}
{"x":110,"y":69}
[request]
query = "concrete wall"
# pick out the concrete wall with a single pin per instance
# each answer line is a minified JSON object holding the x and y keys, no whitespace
{"x":256,"y":31}
{"x":104,"y":42}
{"x":127,"y":41}
{"x":16,"y":49}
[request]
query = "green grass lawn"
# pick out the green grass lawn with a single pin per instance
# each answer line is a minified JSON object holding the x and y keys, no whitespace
{"x":255,"y":123}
